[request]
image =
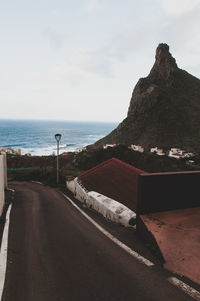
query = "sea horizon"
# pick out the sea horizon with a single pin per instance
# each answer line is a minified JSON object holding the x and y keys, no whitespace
{"x":37,"y":136}
{"x":58,"y":120}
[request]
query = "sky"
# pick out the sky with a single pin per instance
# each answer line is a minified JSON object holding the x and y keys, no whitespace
{"x":80,"y":60}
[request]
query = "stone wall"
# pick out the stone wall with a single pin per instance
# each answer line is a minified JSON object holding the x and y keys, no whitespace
{"x":109,"y":208}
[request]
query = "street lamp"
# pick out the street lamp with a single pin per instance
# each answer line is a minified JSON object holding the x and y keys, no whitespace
{"x":58,"y":137}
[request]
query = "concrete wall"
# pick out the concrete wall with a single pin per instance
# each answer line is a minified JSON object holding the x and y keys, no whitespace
{"x":108,"y":207}
{"x":5,"y":170}
{"x":3,"y":181}
{"x":77,"y":189}
{"x":168,"y":191}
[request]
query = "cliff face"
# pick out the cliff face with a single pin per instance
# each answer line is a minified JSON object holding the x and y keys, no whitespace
{"x":164,"y":109}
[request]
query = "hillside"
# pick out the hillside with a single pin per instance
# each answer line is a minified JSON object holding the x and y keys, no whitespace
{"x":43,"y":168}
{"x":164,"y":110}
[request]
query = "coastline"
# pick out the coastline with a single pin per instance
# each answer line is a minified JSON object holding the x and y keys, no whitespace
{"x":37,"y":137}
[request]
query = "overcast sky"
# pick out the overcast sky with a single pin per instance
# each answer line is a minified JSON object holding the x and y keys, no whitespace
{"x":80,"y":59}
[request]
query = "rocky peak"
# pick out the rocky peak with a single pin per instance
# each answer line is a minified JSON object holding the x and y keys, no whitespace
{"x":165,"y":64}
{"x":145,"y":94}
{"x":164,"y":110}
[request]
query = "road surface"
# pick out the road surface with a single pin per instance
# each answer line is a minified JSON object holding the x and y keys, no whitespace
{"x":56,"y":254}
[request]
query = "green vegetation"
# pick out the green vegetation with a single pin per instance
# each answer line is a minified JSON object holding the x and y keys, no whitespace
{"x":45,"y":175}
{"x":75,"y":164}
{"x":146,"y":161}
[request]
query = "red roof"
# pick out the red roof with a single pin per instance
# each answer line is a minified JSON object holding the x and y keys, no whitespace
{"x":115,"y":179}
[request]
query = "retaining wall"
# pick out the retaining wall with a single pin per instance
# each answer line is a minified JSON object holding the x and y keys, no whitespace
{"x":5,"y":170}
{"x":108,"y":207}
{"x":77,"y":189}
{"x":3,"y":181}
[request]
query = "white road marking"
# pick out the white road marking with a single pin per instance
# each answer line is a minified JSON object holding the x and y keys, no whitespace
{"x":184,"y":287}
{"x":9,"y":189}
{"x":37,"y":182}
{"x":110,"y":236}
{"x":3,"y":253}
{"x":4,"y":245}
{"x":173,"y":280}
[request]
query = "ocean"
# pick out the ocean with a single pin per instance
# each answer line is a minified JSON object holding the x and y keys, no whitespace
{"x":37,"y":137}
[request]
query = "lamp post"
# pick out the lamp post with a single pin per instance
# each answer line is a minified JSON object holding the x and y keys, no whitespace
{"x":58,"y":137}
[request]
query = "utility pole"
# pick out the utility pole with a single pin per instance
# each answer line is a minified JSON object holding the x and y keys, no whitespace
{"x":58,"y":137}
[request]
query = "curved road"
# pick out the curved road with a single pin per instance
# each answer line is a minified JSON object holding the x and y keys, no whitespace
{"x":56,"y":254}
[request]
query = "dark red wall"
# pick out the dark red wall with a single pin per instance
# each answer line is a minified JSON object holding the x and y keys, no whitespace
{"x":168,"y":191}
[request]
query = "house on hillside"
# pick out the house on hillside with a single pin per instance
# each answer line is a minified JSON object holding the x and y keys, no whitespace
{"x":178,"y":153}
{"x":137,"y":148}
{"x":108,"y":145}
{"x":11,"y":151}
{"x":18,"y":152}
{"x":80,"y":149}
{"x":157,"y":151}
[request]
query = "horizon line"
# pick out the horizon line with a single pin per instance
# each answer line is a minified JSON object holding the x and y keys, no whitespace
{"x":58,"y":120}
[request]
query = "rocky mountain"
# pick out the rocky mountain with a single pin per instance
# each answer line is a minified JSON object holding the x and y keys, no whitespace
{"x":164,"y":110}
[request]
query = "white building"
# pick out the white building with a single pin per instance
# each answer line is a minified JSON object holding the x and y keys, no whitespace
{"x":137,"y":148}
{"x":179,"y":153}
{"x":176,"y":153}
{"x":188,"y":155}
{"x":108,"y":145}
{"x":153,"y":150}
{"x":18,"y":152}
{"x":11,"y":151}
{"x":80,"y":149}
{"x":157,"y":151}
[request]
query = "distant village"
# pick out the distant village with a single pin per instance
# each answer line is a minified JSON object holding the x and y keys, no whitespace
{"x":173,"y":152}
{"x":11,"y":151}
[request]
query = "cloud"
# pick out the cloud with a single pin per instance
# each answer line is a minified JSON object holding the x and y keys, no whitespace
{"x":92,"y":6}
{"x":83,"y":65}
{"x":55,"y":39}
{"x":133,"y":44}
{"x":92,"y":62}
{"x":182,"y":34}
{"x":127,"y":45}
{"x":178,"y":7}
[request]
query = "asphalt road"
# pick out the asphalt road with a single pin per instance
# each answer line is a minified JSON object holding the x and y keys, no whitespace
{"x":56,"y":254}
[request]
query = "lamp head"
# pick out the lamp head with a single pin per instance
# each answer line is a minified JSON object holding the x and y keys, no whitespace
{"x":58,"y":137}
